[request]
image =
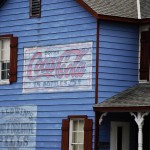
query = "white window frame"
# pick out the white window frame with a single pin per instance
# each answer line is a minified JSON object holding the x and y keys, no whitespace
{"x":3,"y":81}
{"x":71,"y":132}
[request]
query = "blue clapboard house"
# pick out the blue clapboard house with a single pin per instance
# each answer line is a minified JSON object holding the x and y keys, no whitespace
{"x":74,"y":75}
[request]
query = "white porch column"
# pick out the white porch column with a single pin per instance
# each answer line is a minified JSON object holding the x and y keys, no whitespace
{"x":139,"y":119}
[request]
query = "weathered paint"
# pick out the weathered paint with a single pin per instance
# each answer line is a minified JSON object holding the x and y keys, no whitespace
{"x":58,"y":68}
{"x":62,"y":22}
{"x":18,"y":127}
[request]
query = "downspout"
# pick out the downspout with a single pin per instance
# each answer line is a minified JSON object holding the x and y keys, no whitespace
{"x":97,"y":61}
{"x":97,"y":86}
{"x":138,"y":9}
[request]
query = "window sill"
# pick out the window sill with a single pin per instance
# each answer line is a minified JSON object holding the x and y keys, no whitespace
{"x":3,"y":82}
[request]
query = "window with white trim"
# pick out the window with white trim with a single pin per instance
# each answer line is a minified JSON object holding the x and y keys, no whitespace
{"x":76,"y":134}
{"x":8,"y":58}
{"x":4,"y":59}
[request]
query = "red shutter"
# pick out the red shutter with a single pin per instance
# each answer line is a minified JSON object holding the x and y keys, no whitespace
{"x":145,"y":55}
{"x":88,"y":134}
{"x":13,"y":59}
{"x":65,"y":135}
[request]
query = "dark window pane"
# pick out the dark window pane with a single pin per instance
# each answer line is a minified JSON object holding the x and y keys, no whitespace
{"x":8,"y":65}
{"x":5,"y":71}
{"x":119,"y":138}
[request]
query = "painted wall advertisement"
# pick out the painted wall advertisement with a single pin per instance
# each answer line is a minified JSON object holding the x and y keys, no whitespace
{"x":58,"y":68}
{"x":18,"y":127}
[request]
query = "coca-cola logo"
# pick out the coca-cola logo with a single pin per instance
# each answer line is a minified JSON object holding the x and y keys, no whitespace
{"x":57,"y":68}
{"x":68,"y":64}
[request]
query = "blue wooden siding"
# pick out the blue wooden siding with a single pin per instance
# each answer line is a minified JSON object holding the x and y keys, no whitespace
{"x":62,"y":22}
{"x":118,"y":69}
{"x":65,"y":22}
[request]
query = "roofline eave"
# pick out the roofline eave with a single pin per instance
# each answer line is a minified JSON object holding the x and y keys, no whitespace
{"x":116,"y":18}
{"x":88,"y":8}
{"x":111,"y":18}
{"x":123,"y":109}
{"x":144,"y":21}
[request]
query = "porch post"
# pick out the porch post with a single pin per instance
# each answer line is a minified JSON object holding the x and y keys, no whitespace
{"x":139,"y":119}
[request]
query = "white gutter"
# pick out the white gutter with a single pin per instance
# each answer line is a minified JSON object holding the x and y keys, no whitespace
{"x":138,"y":9}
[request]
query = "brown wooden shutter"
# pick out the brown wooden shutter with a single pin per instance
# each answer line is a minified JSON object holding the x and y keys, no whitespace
{"x":145,"y":55}
{"x":65,"y":134}
{"x":13,"y":59}
{"x":88,"y":134}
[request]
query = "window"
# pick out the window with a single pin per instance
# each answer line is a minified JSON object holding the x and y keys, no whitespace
{"x":4,"y":58}
{"x":8,"y":58}
{"x":77,"y":133}
{"x":35,"y":8}
{"x":145,"y":56}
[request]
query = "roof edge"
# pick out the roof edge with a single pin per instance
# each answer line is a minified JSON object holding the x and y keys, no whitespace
{"x":116,"y":18}
{"x":88,"y":8}
{"x":111,"y":18}
{"x":105,"y":17}
{"x":142,"y":21}
{"x":122,"y":109}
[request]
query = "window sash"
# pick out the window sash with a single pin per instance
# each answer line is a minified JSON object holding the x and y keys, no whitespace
{"x":4,"y":58}
{"x":76,"y":134}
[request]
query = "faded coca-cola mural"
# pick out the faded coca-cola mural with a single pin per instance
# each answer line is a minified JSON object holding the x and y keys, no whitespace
{"x":58,"y":68}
